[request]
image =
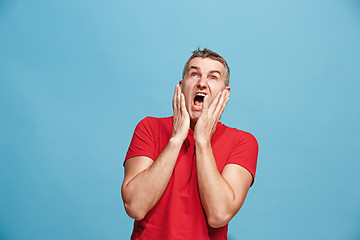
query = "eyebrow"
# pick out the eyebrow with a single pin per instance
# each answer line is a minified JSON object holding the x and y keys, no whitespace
{"x":197,"y":68}
{"x":215,"y":71}
{"x":193,"y":67}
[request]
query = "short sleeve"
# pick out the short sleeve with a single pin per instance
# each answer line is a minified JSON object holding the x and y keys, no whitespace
{"x":142,"y":142}
{"x":245,"y":152}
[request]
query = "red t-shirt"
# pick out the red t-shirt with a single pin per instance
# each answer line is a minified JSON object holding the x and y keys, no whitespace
{"x":179,"y":213}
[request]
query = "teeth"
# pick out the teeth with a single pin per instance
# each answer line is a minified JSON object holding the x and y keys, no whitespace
{"x":200,"y":94}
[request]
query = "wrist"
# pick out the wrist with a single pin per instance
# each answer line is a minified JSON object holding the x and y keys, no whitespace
{"x":176,"y":141}
{"x":202,"y":142}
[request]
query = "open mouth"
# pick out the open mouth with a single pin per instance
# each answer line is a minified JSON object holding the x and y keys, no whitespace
{"x":199,"y":99}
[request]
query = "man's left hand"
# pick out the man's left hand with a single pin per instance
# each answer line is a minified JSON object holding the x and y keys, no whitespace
{"x":206,"y":124}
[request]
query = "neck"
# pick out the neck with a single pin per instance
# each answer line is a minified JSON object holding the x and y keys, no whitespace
{"x":192,"y":124}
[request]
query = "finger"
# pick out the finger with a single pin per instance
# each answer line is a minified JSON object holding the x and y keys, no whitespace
{"x":206,"y":102}
{"x":218,"y":106}
{"x":182,"y":103}
{"x":215,"y":102}
{"x":177,"y":102}
{"x":179,"y":98}
{"x":221,"y":105}
{"x":227,"y":93}
{"x":174,"y":100}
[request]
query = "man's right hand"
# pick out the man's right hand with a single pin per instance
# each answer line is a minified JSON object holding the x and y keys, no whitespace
{"x":181,"y":123}
{"x":145,"y":180}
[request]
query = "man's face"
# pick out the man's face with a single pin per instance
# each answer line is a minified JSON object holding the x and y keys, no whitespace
{"x":205,"y":77}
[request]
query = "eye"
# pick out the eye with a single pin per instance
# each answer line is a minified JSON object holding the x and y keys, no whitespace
{"x":213,"y":78}
{"x":194,"y":75}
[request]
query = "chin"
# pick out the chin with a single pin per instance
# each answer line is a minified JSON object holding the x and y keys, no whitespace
{"x":195,"y":116}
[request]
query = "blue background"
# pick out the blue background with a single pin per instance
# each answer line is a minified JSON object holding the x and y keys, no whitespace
{"x":77,"y":76}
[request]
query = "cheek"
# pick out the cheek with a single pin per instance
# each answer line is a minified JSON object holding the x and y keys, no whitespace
{"x":187,"y":95}
{"x":186,"y":91}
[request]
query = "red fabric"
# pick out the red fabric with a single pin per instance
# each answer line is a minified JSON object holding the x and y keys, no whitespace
{"x":179,"y":214}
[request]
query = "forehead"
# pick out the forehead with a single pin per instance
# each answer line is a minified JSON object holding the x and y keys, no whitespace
{"x":206,"y":65}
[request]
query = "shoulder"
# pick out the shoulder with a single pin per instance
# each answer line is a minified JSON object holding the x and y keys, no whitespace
{"x":243,"y":148}
{"x":150,"y":119}
{"x":153,"y":123}
{"x":156,"y":120}
{"x":238,"y":135}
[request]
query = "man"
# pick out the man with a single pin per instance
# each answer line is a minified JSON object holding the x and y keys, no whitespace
{"x":187,"y":176}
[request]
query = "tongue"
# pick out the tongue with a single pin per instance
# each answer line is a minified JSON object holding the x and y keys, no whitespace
{"x":198,"y":103}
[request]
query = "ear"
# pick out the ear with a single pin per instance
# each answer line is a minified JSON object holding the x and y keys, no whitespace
{"x":180,"y":84}
{"x":227,"y":88}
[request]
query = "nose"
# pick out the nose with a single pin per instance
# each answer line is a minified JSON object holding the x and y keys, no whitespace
{"x":202,"y":83}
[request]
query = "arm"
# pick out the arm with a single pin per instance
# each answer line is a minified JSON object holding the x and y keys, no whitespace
{"x":145,"y":180}
{"x":222,"y":195}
